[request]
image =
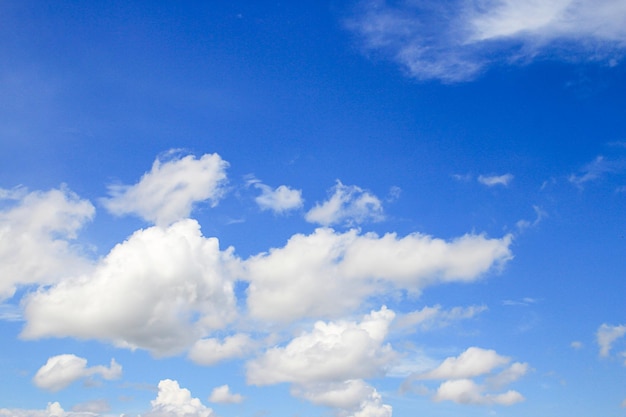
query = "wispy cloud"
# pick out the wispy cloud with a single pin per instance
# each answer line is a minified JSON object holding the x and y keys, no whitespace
{"x":493,"y":180}
{"x":596,"y":170}
{"x":456,"y":40}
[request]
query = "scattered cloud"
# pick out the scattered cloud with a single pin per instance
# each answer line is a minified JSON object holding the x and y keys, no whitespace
{"x":279,"y":200}
{"x":607,"y":335}
{"x":540,"y":214}
{"x":161,"y":290}
{"x":348,"y":205}
{"x":61,"y":370}
{"x":53,"y":409}
{"x":332,"y":351}
{"x":576,"y":345}
{"x":493,"y":180}
{"x":168,"y":192}
{"x":457,"y":40}
{"x":174,"y":401}
{"x":36,"y":233}
{"x":327,"y":273}
{"x":466,"y":391}
{"x":473,"y":362}
{"x":211,"y":351}
{"x":524,"y":302}
{"x":222,"y":395}
{"x":435,"y":317}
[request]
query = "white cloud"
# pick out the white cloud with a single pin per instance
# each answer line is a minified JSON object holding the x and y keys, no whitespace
{"x":174,"y":401}
{"x":473,"y":362}
{"x":53,"y":409}
{"x":431,"y":317}
{"x":222,"y":395}
{"x":333,"y":351}
{"x":36,"y":233}
{"x":168,"y":192}
{"x":466,"y":391}
{"x":347,"y":204}
{"x":280,"y":199}
{"x":327,"y":273}
{"x":161,"y":290}
{"x":61,"y":370}
{"x":211,"y":351}
{"x":607,"y":335}
{"x":493,"y":180}
{"x":350,"y":398}
{"x":597,"y":169}
{"x":455,"y":41}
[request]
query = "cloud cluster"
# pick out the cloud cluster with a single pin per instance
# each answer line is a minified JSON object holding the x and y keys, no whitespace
{"x":459,"y":386}
{"x":456,"y":40}
{"x":349,"y":205}
{"x":61,"y":370}
{"x":167,"y":193}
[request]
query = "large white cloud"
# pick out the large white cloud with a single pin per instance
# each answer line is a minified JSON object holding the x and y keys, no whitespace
{"x":455,"y":40}
{"x":348,"y":204}
{"x":174,"y":401}
{"x":332,"y":351}
{"x":61,"y":370}
{"x":162,"y":289}
{"x":167,"y":193}
{"x":36,"y":233}
{"x":327,"y":273}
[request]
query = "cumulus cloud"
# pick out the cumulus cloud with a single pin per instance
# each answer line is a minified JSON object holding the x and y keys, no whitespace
{"x":466,"y":391}
{"x":332,"y":351}
{"x":456,"y":40}
{"x":352,"y":397}
{"x":174,"y":401}
{"x":493,"y":180}
{"x":607,"y":335}
{"x":222,"y":395}
{"x":473,"y":362}
{"x":36,"y":233}
{"x":436,"y":316}
{"x":168,"y":192}
{"x":348,"y":204}
{"x":161,"y":290}
{"x":279,"y":200}
{"x":61,"y":370}
{"x":211,"y":351}
{"x":327,"y":273}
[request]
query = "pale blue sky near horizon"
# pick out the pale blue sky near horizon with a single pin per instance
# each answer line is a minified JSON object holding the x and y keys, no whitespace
{"x":339,"y":208}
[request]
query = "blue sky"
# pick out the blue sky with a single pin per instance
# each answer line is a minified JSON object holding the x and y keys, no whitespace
{"x":335,"y":208}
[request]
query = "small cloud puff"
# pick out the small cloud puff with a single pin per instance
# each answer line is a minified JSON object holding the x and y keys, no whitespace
{"x":279,"y":200}
{"x":348,"y":204}
{"x":61,"y":370}
{"x":493,"y":180}
{"x":222,"y":395}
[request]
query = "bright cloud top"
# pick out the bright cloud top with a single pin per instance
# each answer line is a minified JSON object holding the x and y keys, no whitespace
{"x":167,"y":193}
{"x":60,"y":371}
{"x":454,"y":41}
{"x":348,"y":204}
{"x":174,"y":401}
{"x":36,"y":234}
{"x":160,"y":290}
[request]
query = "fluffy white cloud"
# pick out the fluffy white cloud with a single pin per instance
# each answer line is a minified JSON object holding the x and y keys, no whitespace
{"x":429,"y":317}
{"x":162,"y":289}
{"x":473,"y":362}
{"x":607,"y":335}
{"x":493,"y":180}
{"x":455,"y":40}
{"x":466,"y":391}
{"x":167,"y":193}
{"x":353,"y":398}
{"x":349,"y":205}
{"x":279,"y":199}
{"x":211,"y":351}
{"x":327,"y":273}
{"x":174,"y":401}
{"x":36,"y":230}
{"x":223,"y":395}
{"x":333,"y":351}
{"x":61,"y":370}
